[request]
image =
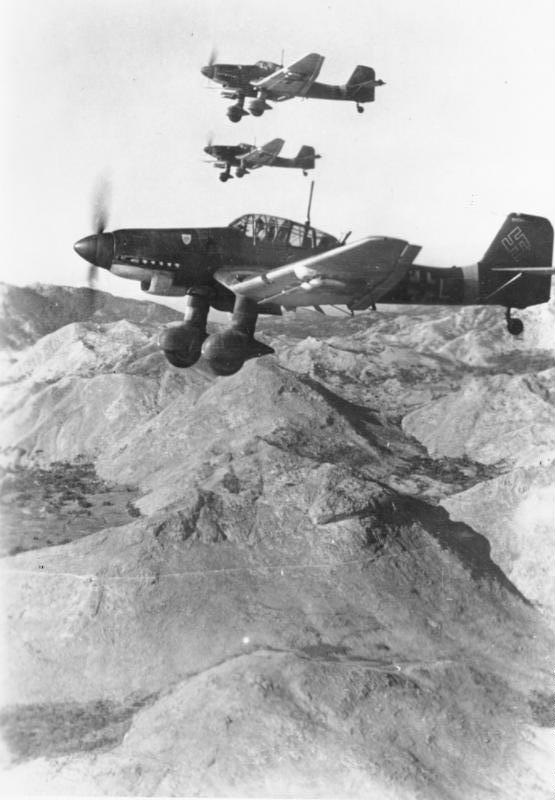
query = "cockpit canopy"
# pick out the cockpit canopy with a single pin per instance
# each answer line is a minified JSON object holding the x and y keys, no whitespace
{"x":268,"y":66}
{"x":268,"y":229}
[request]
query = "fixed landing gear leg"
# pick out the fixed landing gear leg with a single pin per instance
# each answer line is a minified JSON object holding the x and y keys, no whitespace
{"x":360,"y":108}
{"x":226,"y":352}
{"x":225,"y":176}
{"x":514,"y":326}
{"x":236,"y":112}
{"x":245,"y":315}
{"x":182,"y":342}
{"x":243,"y":320}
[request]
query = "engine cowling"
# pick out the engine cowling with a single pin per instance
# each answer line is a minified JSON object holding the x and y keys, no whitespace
{"x":226,"y":352}
{"x":182,"y":344}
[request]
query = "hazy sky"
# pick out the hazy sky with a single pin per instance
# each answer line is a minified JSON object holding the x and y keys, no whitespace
{"x":461,"y":135}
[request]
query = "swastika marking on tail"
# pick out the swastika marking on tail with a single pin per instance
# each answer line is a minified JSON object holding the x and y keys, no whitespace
{"x":516,"y":244}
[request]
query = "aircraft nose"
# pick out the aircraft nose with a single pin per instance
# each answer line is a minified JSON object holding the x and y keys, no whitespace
{"x":208,"y":72}
{"x":97,"y":249}
{"x":86,"y":248}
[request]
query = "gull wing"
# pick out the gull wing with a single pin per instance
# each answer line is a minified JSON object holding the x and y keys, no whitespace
{"x":262,"y":155}
{"x":344,"y":275}
{"x":292,"y":81}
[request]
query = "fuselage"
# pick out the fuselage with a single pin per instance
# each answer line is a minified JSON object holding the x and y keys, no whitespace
{"x":177,"y":261}
{"x":241,"y":77}
{"x":172,"y":261}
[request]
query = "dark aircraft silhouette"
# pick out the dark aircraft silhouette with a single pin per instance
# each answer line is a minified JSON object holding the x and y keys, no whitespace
{"x":265,"y":81}
{"x":261,"y":264}
{"x":247,"y":157}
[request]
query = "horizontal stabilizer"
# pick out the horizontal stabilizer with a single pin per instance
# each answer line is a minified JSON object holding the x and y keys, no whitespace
{"x":536,"y":270}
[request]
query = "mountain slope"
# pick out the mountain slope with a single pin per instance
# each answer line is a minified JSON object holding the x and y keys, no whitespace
{"x":293,"y":612}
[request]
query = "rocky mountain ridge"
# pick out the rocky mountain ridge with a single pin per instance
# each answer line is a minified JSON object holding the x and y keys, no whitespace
{"x":337,"y":584}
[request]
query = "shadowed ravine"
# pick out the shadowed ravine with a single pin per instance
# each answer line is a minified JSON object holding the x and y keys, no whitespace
{"x":326,"y":575}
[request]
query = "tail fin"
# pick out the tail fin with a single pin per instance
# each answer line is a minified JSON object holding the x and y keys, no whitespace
{"x":361,"y":84}
{"x":305,"y":157}
{"x":506,"y":272}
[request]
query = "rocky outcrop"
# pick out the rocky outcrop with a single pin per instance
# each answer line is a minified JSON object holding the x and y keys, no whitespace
{"x":318,"y":597}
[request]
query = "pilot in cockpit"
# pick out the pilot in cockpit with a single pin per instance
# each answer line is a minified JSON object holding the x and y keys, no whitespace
{"x":260,"y":229}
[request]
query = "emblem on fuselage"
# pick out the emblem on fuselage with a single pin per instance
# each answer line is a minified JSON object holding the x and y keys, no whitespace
{"x":186,"y":238}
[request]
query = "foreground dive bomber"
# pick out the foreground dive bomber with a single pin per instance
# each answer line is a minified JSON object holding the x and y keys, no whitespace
{"x":261,"y":264}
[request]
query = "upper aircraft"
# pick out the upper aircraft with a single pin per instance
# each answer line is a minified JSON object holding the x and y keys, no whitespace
{"x":247,"y":157}
{"x":261,"y":264}
{"x":265,"y":81}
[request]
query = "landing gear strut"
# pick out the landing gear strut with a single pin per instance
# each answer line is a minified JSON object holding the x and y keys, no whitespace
{"x":182,"y":343}
{"x":236,"y":111}
{"x":514,"y":326}
{"x":259,"y":105}
{"x":224,"y":176}
{"x":360,"y":108}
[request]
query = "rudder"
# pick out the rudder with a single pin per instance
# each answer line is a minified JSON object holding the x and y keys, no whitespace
{"x":305,"y":157}
{"x":361,"y":84}
{"x":523,"y":240}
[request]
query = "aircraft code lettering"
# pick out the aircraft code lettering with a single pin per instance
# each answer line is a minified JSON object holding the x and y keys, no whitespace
{"x":516,"y":244}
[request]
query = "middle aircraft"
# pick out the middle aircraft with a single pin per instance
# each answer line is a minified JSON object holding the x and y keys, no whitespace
{"x":265,"y":81}
{"x":246,"y":157}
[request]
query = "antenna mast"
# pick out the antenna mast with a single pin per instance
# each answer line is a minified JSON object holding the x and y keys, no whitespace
{"x":307,"y":223}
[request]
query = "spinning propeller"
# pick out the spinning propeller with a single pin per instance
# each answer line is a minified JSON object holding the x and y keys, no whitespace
{"x":208,"y":70}
{"x":100,"y":203}
{"x":97,"y":248}
{"x":208,"y":147}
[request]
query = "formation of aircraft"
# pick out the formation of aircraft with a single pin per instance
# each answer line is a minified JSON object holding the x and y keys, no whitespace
{"x":261,"y":264}
{"x":264,"y":264}
{"x":266,"y":81}
{"x":246,"y":157}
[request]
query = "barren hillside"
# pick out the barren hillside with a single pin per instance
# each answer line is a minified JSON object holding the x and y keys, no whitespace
{"x":326,"y":575}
